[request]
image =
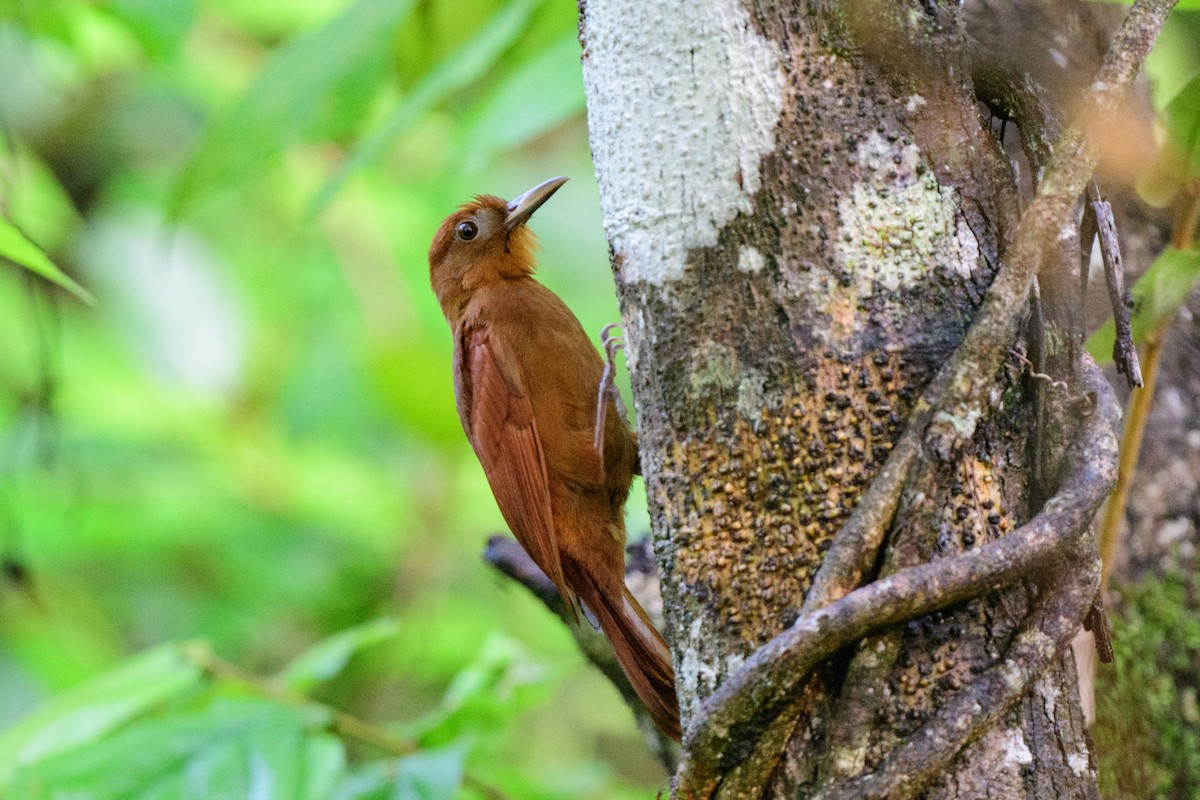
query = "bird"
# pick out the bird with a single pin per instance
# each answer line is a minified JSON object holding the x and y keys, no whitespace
{"x":537,"y":404}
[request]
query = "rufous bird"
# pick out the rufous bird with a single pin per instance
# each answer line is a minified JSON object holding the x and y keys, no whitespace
{"x":538,"y":406}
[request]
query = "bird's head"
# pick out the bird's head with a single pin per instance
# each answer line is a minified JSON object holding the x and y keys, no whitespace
{"x":484,"y":240}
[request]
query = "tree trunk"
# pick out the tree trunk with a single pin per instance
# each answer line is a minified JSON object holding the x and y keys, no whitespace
{"x":805,"y":209}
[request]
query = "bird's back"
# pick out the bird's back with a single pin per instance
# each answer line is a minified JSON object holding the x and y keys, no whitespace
{"x":559,"y":369}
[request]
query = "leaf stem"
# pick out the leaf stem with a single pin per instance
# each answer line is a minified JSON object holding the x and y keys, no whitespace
{"x":1131,"y":445}
{"x":1183,"y":238}
{"x":340,"y":723}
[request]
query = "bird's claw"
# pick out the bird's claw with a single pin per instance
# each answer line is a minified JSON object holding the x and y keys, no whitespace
{"x":611,"y":344}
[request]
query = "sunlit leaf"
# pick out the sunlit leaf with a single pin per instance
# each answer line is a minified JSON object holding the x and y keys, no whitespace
{"x":243,"y":748}
{"x":160,"y":25}
{"x":1183,"y":125}
{"x":461,"y":68}
{"x":320,"y":79}
{"x":487,"y":693}
{"x":1175,"y":58}
{"x":428,"y":775}
{"x":269,"y":19}
{"x":90,"y":711}
{"x":1183,"y":5}
{"x":541,"y":93}
{"x":431,"y":775}
{"x":15,"y":247}
{"x":1156,"y":296}
{"x":329,"y":657}
{"x":324,"y":762}
{"x":54,"y":20}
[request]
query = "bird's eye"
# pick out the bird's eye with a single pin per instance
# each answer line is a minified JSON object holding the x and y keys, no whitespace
{"x":466,"y":231}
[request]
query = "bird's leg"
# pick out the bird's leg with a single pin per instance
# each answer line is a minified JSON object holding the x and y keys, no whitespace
{"x":610,"y":349}
{"x":611,"y":345}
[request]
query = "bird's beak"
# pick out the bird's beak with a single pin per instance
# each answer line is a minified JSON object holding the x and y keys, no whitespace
{"x":522,"y":208}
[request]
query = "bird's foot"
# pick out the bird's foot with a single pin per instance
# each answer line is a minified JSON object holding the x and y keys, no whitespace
{"x":611,"y":344}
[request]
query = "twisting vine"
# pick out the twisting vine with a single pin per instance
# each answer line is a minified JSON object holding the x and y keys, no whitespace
{"x":745,"y":705}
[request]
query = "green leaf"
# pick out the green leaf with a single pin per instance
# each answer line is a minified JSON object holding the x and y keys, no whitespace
{"x":330,"y":656}
{"x":324,"y":760}
{"x":90,"y":711}
{"x":234,"y":748}
{"x":487,"y":694}
{"x":1156,"y":296}
{"x":1175,"y":58}
{"x":461,"y":68}
{"x":160,"y":25}
{"x":431,"y":775}
{"x":428,"y":775}
{"x":541,"y":93}
{"x":307,"y":87}
{"x":1183,"y":125}
{"x":17,"y":248}
{"x":1182,"y":5}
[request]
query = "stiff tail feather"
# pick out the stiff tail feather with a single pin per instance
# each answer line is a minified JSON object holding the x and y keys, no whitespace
{"x":640,"y":650}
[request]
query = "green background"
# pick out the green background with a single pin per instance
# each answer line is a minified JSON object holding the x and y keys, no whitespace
{"x":234,"y":494}
{"x":250,"y":439}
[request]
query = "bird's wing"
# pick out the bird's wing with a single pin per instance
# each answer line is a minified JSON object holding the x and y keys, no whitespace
{"x":498,"y":417}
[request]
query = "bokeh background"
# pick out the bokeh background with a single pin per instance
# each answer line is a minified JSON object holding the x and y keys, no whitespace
{"x":251,"y":440}
{"x":234,"y":494}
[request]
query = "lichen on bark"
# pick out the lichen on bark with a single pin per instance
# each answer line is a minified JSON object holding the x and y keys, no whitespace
{"x":783,"y":315}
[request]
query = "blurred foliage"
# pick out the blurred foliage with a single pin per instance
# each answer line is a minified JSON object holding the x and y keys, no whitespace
{"x":250,"y":441}
{"x":1174,"y":68}
{"x":16,"y":248}
{"x":1182,"y":5}
{"x":1183,"y":127}
{"x":1157,"y":295}
{"x":1147,"y":728}
{"x":178,"y":722}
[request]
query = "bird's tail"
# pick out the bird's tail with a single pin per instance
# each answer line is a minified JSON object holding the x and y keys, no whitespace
{"x":640,"y":650}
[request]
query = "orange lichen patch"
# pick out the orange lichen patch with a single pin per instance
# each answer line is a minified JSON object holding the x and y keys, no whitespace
{"x":750,"y":539}
{"x":974,"y":513}
{"x":844,"y":312}
{"x":970,"y":507}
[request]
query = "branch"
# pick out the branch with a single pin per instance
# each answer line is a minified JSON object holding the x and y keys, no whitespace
{"x":1066,"y":597}
{"x":340,"y":722}
{"x":971,"y":711}
{"x":751,"y":698}
{"x":508,"y":558}
{"x":856,"y":545}
{"x":994,"y":328}
{"x":748,"y":700}
{"x":954,"y":391}
{"x":1124,"y":351}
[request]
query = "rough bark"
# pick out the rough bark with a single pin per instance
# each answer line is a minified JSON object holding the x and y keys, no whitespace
{"x":805,"y":210}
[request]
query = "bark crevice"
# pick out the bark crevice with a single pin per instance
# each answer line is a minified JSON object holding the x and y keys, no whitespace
{"x":779,"y":369}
